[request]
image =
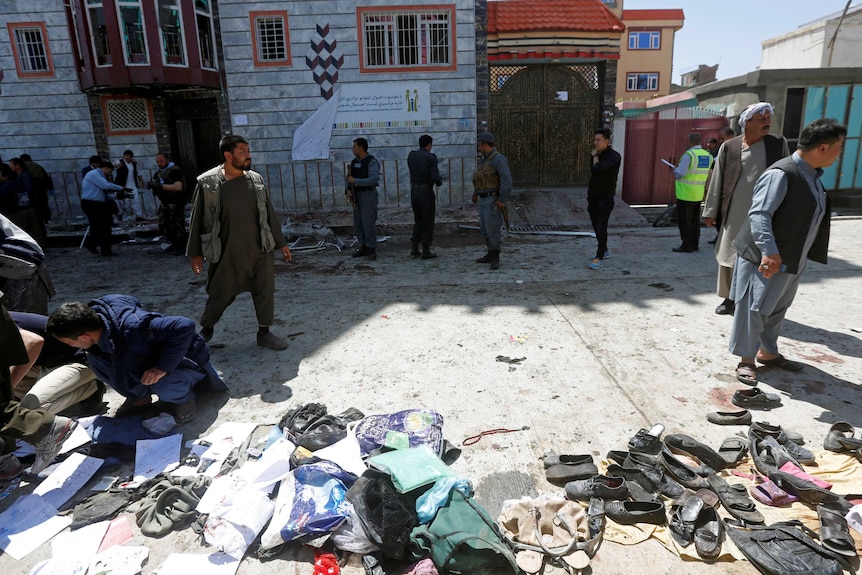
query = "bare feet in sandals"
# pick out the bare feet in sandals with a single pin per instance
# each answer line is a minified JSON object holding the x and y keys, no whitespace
{"x":746,"y":372}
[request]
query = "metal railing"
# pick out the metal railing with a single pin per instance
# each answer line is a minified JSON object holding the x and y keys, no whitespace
{"x":306,"y":186}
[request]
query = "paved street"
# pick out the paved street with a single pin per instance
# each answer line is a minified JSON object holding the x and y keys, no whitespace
{"x":605,"y":352}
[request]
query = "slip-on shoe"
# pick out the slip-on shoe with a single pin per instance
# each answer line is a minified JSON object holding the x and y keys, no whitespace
{"x":762,"y":429}
{"x":563,"y":473}
{"x":679,"y":471}
{"x":729,"y":417}
{"x":701,"y":451}
{"x":597,"y":486}
{"x":632,"y":512}
{"x":640,"y":487}
{"x":682,"y":519}
{"x":552,"y":459}
{"x":652,"y":468}
{"x":840,"y":438}
{"x":804,"y":489}
{"x":708,"y":531}
{"x":755,"y":397}
{"x":768,"y":455}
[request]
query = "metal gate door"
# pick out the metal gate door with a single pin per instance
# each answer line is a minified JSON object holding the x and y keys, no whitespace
{"x":543,"y":118}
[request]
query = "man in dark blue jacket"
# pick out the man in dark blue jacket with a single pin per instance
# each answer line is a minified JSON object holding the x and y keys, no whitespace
{"x":138,"y":352}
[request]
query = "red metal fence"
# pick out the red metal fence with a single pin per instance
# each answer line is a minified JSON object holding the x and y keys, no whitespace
{"x":655,"y":136}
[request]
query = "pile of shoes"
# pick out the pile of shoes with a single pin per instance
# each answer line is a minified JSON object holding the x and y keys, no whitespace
{"x":680,"y":468}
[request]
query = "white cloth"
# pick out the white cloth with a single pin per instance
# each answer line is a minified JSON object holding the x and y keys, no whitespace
{"x":749,"y":112}
{"x":311,"y":139}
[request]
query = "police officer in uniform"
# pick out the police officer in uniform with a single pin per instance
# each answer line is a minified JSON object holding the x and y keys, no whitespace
{"x":492,"y":184}
{"x":424,"y":174}
{"x":691,"y":175}
{"x":362,"y":194}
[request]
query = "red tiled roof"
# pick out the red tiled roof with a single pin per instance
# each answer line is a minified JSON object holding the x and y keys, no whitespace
{"x":527,"y":15}
{"x":668,"y":14}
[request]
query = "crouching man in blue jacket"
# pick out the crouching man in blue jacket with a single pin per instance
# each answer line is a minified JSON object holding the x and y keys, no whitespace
{"x":138,"y":352}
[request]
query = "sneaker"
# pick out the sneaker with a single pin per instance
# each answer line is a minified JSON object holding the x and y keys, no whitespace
{"x":10,"y":467}
{"x":271,"y":341}
{"x":50,"y":445}
{"x":595,"y":264}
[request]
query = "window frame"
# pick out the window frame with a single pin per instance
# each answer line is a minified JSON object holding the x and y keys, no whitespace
{"x":363,"y":11}
{"x":176,"y":5}
{"x":253,"y":16}
{"x":630,"y":75}
{"x":13,"y":27}
{"x":89,"y":6}
{"x":211,"y":25}
{"x":654,"y":38}
{"x":106,"y":115}
{"x":122,"y":28}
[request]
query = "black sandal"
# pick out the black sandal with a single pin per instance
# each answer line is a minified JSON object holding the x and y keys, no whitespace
{"x":834,"y":533}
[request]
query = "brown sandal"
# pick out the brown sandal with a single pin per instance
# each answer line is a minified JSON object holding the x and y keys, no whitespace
{"x":746,"y":373}
{"x":185,"y":412}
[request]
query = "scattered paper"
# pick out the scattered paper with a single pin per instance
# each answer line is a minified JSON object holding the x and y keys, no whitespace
{"x":154,"y":456}
{"x":273,"y":466}
{"x":221,"y":442}
{"x":183,"y":564}
{"x":236,"y":523}
{"x":27,"y":524}
{"x":219,"y":491}
{"x":120,"y":560}
{"x":67,"y":479}
{"x":346,"y":454}
{"x":119,"y":532}
{"x":79,"y":437}
{"x":72,"y":551}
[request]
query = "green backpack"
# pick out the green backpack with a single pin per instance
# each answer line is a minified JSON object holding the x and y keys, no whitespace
{"x":463,"y":539}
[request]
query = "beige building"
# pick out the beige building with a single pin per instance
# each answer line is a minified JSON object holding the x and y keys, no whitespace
{"x":646,"y":53}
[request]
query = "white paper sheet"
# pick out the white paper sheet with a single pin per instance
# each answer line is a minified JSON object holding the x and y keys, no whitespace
{"x":72,"y":551}
{"x":346,"y":454}
{"x":153,"y":456}
{"x":235,"y":524}
{"x":27,"y":524}
{"x":119,"y":560}
{"x":67,"y":479}
{"x":80,"y":436}
{"x":183,"y":564}
{"x":273,"y":466}
{"x":219,"y":491}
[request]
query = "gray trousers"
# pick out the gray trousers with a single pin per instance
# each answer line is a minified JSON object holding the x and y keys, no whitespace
{"x":753,"y":330}
{"x":490,"y":222}
{"x":365,"y":217}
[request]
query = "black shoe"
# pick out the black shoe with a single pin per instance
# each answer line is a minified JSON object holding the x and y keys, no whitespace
{"x":631,"y":512}
{"x":414,"y":250}
{"x":682,"y":249}
{"x":727,"y":307}
{"x":486,"y":259}
{"x":372,"y":254}
{"x":361,"y":252}
{"x":428,"y":255}
{"x":495,"y":259}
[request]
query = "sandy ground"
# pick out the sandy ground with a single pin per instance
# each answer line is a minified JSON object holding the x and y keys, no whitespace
{"x":605,"y":353}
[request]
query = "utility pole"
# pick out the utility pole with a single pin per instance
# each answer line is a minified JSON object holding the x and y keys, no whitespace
{"x":831,"y":44}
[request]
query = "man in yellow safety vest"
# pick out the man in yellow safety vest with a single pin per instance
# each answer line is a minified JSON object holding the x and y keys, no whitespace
{"x":691,"y":175}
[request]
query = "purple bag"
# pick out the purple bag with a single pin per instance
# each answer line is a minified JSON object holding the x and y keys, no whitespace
{"x":408,"y":428}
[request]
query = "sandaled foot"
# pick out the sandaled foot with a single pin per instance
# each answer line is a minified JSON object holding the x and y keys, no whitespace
{"x":746,"y":373}
{"x":782,"y":362}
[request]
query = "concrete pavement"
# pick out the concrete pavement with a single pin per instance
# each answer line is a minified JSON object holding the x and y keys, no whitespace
{"x":606,"y":352}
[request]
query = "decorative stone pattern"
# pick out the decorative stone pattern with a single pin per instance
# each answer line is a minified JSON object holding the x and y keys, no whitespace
{"x":324,"y":59}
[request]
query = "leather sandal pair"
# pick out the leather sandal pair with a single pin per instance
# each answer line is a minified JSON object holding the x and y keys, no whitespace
{"x":735,"y":499}
{"x":696,"y":522}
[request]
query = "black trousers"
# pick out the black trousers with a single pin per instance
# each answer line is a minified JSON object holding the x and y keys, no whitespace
{"x":100,"y":217}
{"x":424,"y":204}
{"x":688,"y":218}
{"x":600,"y":212}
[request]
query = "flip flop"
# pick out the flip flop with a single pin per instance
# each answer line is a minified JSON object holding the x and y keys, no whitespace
{"x":746,"y":373}
{"x":733,"y":450}
{"x":782,"y":362}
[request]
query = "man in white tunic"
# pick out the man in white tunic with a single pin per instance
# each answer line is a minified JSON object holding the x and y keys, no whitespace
{"x":740,"y":161}
{"x":788,"y":223}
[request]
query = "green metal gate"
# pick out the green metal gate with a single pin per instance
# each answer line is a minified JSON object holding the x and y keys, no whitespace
{"x":543,"y":117}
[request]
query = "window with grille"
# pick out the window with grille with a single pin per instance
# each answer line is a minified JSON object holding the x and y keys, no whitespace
{"x":30,"y":48}
{"x":204,"y":20}
{"x":271,"y":38}
{"x":407,"y":38}
{"x":642,"y":82}
{"x":127,"y":116}
{"x":173,"y":39}
{"x":644,"y":40}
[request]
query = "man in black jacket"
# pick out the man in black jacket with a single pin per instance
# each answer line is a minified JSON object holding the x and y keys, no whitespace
{"x":600,"y":193}
{"x":127,"y":176}
{"x":424,"y":175}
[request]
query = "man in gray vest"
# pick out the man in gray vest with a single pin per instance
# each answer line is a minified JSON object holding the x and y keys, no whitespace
{"x":492,"y":184}
{"x":788,"y":224}
{"x":740,"y":161}
{"x":234,"y":226}
{"x":361,"y":191}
